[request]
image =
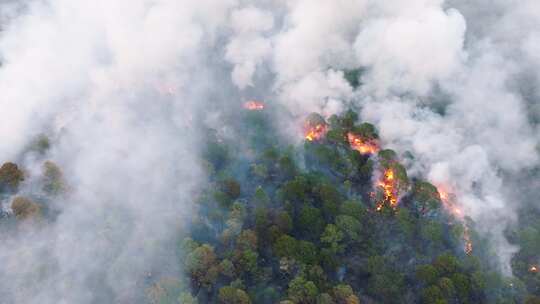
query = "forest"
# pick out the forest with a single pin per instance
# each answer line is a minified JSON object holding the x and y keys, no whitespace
{"x":336,"y":219}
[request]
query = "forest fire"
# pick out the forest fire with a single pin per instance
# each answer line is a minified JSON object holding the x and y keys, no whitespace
{"x":362,"y":145}
{"x":315,"y":133}
{"x":533,"y":269}
{"x":388,"y":186}
{"x":450,"y":205}
{"x":254,"y":105}
{"x":315,"y":127}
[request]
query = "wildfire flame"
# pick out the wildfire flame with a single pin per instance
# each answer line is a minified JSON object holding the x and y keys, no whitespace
{"x":449,"y":203}
{"x":388,"y":186}
{"x":361,"y":145}
{"x":451,"y":206}
{"x":254,"y":105}
{"x":533,"y":269}
{"x":316,"y":132}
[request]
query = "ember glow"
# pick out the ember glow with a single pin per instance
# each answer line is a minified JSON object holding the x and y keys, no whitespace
{"x":533,"y":269}
{"x":362,"y":145}
{"x":316,"y":132}
{"x":254,"y":105}
{"x":450,"y":205}
{"x":388,"y":186}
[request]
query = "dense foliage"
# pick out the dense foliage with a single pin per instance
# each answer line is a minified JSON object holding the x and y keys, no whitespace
{"x":300,"y":225}
{"x":305,"y":224}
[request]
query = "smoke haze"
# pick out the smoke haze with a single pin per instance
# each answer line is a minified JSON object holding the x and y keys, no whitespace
{"x":123,"y":88}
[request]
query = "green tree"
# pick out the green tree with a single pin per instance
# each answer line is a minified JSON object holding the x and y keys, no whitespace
{"x":316,"y":274}
{"x":366,"y":131}
{"x":10,"y":177}
{"x":350,"y":226}
{"x":353,"y":77}
{"x":462,"y":286}
{"x":331,"y":199}
{"x":247,"y":261}
{"x":354,"y":209}
{"x":446,"y":264}
{"x":325,"y":298}
{"x":447,"y":288}
{"x":427,"y":274}
{"x":231,"y":188}
{"x":387,"y":286}
{"x":302,"y":291}
{"x":165,"y":291}
{"x":332,"y":238}
{"x":311,"y":222}
{"x":432,"y":231}
{"x":344,"y":294}
{"x":348,"y":119}
{"x":287,"y":167}
{"x":285,"y":246}
{"x":53,"y":179}
{"x":227,"y":268}
{"x":201,"y":263}
{"x":431,"y":295}
{"x":284,"y":222}
{"x":232,"y":295}
{"x":40,"y":144}
{"x":426,"y":197}
{"x":262,"y":221}
{"x":260,"y":171}
{"x":306,"y":252}
{"x":295,"y":191}
{"x":387,"y":156}
{"x":187,"y":298}
{"x":24,"y":208}
{"x":260,"y":198}
{"x":217,"y":155}
{"x":247,"y":240}
{"x":407,"y":223}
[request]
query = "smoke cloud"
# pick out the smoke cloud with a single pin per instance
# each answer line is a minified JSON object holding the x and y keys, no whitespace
{"x":123,"y":89}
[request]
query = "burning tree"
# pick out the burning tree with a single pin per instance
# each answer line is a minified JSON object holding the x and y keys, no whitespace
{"x":315,"y":127}
{"x":450,"y":204}
{"x":393,"y":180}
{"x":362,"y":145}
{"x":364,"y":139}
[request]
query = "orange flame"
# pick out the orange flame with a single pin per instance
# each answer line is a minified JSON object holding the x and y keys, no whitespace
{"x":533,"y":269}
{"x":361,"y":145}
{"x":450,"y":205}
{"x":254,"y":105}
{"x":388,"y":186}
{"x":316,"y":132}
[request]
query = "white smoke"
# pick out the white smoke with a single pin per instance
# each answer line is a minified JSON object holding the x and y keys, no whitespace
{"x":117,"y":84}
{"x":449,"y":94}
{"x":120,"y":84}
{"x":249,"y":48}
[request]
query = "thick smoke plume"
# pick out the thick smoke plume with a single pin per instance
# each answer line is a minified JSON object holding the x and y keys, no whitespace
{"x":123,"y":88}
